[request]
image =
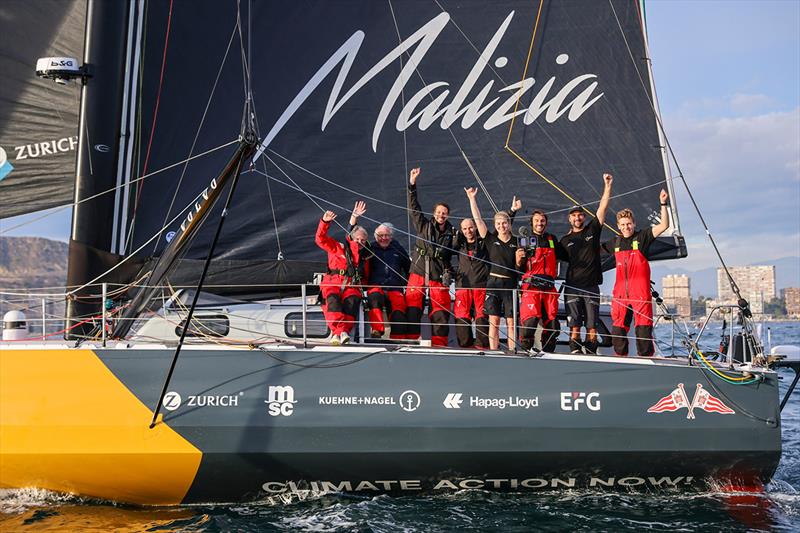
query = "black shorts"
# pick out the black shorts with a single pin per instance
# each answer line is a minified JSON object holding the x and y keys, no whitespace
{"x":583,"y":306}
{"x":499,"y":297}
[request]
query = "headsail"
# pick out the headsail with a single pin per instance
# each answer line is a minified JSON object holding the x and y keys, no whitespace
{"x":38,"y":119}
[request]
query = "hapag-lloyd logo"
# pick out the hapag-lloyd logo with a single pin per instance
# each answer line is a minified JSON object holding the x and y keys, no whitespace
{"x":430,"y":104}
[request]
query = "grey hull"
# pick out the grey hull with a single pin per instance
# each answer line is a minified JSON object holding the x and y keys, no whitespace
{"x":280,"y":420}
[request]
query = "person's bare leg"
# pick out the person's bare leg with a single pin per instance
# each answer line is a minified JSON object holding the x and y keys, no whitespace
{"x":494,"y":332}
{"x":510,"y":332}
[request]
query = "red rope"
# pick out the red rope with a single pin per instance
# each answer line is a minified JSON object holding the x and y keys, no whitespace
{"x":155,"y":110}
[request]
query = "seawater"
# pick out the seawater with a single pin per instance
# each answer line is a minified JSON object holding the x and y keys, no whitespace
{"x":776,"y":509}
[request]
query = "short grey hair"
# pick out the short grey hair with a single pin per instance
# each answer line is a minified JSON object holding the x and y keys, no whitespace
{"x":388,"y":225}
{"x":355,"y":230}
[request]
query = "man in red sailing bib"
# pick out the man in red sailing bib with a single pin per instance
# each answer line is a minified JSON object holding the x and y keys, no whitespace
{"x":340,"y":287}
{"x":632,"y":299}
{"x":430,"y":262}
{"x":539,"y":294}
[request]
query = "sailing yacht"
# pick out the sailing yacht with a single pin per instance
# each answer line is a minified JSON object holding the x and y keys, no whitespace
{"x":195,"y":365}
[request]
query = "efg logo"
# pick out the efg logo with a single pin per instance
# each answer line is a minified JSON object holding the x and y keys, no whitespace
{"x":573,"y":401}
{"x":5,"y":166}
{"x":280,"y":400}
{"x":171,"y":401}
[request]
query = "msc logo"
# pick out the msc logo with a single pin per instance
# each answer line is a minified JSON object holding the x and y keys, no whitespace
{"x":280,"y":400}
{"x":171,"y":401}
{"x":572,"y":401}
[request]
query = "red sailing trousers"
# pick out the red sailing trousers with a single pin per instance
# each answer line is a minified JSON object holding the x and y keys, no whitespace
{"x":469,"y":303}
{"x":438,"y":312}
{"x":340,"y":305}
{"x":395,"y":304}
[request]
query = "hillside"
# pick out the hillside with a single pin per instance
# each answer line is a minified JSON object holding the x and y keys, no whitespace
{"x":32,"y":262}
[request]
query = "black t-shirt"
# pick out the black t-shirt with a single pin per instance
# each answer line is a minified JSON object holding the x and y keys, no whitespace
{"x":503,"y":255}
{"x":583,"y":250}
{"x":643,"y":236}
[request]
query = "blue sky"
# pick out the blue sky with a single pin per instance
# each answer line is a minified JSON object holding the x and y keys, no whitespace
{"x":728,"y":80}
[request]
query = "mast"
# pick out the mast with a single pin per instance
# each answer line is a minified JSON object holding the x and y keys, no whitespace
{"x":98,"y":148}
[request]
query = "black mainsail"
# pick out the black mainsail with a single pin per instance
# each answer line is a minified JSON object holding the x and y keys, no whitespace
{"x":534,"y":99}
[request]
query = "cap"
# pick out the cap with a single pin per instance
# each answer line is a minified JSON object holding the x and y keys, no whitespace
{"x":574,"y":208}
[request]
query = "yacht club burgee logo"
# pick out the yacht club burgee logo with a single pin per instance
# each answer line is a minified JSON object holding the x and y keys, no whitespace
{"x":702,"y":399}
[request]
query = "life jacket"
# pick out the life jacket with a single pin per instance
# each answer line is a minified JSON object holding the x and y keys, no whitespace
{"x":633,"y":272}
{"x":542,"y":264}
{"x":343,"y":259}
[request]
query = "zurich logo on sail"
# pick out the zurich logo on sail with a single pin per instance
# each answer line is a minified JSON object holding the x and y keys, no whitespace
{"x":5,"y":166}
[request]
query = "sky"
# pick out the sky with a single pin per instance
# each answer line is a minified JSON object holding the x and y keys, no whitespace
{"x":727,"y":75}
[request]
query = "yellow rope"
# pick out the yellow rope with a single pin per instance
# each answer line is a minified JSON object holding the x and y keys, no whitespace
{"x":709,"y":365}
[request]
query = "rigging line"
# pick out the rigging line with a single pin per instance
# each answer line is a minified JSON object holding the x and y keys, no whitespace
{"x":335,"y":184}
{"x":731,"y":281}
{"x":112,"y":189}
{"x":197,"y":133}
{"x":449,"y":128}
{"x":556,"y":187}
{"x":155,"y":110}
{"x":144,"y":244}
{"x":538,"y":125}
{"x":405,"y":144}
{"x":331,"y":203}
{"x":620,"y":195}
{"x":257,"y":126}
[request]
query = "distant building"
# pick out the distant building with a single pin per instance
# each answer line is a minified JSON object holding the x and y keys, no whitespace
{"x":677,"y":294}
{"x":791,"y":296}
{"x":756,"y":284}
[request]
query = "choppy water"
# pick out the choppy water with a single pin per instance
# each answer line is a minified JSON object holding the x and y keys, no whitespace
{"x":777,"y":509}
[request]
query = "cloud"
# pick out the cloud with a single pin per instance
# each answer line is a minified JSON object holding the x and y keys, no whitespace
{"x":749,"y":103}
{"x":745,"y":175}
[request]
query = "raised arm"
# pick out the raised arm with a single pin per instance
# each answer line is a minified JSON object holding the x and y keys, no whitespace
{"x":601,"y":209}
{"x":413,"y":202}
{"x":516,"y":205}
{"x":664,"y":224}
{"x":472,"y":193}
{"x":323,"y":240}
{"x":359,"y":209}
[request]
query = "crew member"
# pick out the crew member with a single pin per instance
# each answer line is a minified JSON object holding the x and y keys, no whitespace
{"x":471,"y":278}
{"x":539,"y":294}
{"x":388,"y":272}
{"x":632,"y":298}
{"x":505,"y":258}
{"x":430,"y":262}
{"x":584,"y":274}
{"x":340,"y":287}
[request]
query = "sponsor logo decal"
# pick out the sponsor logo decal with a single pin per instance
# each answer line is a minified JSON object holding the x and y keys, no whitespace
{"x":171,"y":401}
{"x":280,"y":400}
{"x":5,"y":166}
{"x":40,"y":149}
{"x":169,"y":236}
{"x":503,"y":403}
{"x":576,"y":401}
{"x":102,"y":148}
{"x":677,"y":399}
{"x":453,"y":400}
{"x":410,"y":401}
